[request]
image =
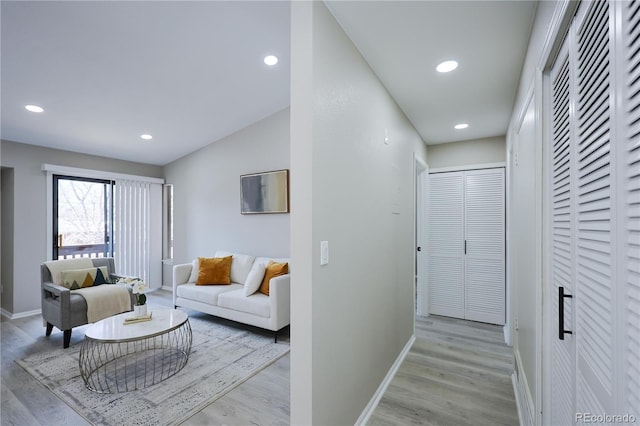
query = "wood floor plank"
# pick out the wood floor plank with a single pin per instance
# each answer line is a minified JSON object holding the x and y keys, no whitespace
{"x":456,"y":373}
{"x":263,"y":399}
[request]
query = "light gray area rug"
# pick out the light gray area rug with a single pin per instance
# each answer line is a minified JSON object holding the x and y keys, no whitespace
{"x":221,"y":358}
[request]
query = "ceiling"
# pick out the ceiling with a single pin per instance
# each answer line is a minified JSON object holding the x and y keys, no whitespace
{"x":190,"y":73}
{"x":405,"y":41}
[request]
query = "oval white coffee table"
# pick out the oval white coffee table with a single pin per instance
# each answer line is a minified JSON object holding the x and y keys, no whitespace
{"x":119,"y":357}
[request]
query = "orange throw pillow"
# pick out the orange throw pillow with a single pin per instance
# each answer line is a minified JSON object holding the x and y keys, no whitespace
{"x":214,"y":270}
{"x":272,"y":270}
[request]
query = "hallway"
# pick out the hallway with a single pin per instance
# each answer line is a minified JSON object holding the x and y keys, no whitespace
{"x":457,"y":372}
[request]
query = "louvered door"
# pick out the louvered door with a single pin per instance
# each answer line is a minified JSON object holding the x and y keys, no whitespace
{"x":446,"y":244}
{"x":484,"y":246}
{"x":595,"y":298}
{"x":594,"y":167}
{"x":466,"y":245}
{"x":630,"y":218}
{"x":562,"y":223}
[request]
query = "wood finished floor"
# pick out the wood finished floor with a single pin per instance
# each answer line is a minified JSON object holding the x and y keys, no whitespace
{"x":261,"y":400}
{"x":457,"y":373}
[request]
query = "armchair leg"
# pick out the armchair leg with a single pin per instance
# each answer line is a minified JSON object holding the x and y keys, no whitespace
{"x":49,"y":329}
{"x":67,"y":338}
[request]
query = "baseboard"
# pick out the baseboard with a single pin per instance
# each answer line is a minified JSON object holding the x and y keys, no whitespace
{"x":375,"y":399}
{"x":167,"y":288}
{"x":524,"y":401}
{"x":11,"y":316}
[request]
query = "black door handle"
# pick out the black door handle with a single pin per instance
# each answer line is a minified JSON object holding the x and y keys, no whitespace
{"x":561,"y":296}
{"x":419,"y":248}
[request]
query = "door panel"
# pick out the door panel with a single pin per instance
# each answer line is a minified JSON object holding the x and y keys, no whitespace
{"x":446,"y":244}
{"x":594,"y":302}
{"x":630,"y":178}
{"x":466,"y":266}
{"x":562,"y":408}
{"x":485,"y":241}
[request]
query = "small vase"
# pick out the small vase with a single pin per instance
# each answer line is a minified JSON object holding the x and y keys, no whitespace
{"x":140,"y":310}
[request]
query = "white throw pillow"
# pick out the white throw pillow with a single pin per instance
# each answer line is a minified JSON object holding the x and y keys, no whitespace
{"x":194,"y":271}
{"x":254,"y":279}
{"x":240,"y":265}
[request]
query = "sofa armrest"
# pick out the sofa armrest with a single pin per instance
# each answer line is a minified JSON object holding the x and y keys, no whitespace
{"x":181,"y":275}
{"x":55,"y":289}
{"x":280,"y":300}
{"x":57,"y":292}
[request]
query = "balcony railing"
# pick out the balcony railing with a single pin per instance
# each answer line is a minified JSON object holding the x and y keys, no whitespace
{"x":82,"y":250}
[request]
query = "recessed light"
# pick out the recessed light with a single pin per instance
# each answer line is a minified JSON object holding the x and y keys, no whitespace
{"x":461,"y":126}
{"x":271,"y":60}
{"x":447,"y":66}
{"x":146,"y":137}
{"x":34,"y":108}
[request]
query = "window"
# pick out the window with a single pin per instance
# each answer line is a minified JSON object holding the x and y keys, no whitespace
{"x":82,"y":217}
{"x":100,"y":214}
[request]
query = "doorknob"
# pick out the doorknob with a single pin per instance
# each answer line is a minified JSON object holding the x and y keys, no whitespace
{"x":419,"y":248}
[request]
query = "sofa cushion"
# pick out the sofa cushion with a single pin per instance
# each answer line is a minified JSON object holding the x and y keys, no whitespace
{"x":205,"y":293}
{"x":240,"y":266}
{"x":256,"y":304}
{"x":214,"y":270}
{"x":254,"y":279}
{"x":87,"y":277}
{"x":273,"y":269}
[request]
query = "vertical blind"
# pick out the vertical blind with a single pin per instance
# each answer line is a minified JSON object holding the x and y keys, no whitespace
{"x":132,"y":227}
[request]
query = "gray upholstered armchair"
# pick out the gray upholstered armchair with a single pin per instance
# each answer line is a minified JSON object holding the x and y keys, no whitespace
{"x":65,"y":308}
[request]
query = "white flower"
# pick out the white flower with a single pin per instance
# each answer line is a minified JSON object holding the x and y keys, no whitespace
{"x":138,"y":288}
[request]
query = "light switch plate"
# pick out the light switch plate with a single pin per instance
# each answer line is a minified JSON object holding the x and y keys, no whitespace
{"x":324,"y":252}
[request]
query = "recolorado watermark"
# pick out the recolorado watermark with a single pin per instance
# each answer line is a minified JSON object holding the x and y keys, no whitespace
{"x":605,"y":418}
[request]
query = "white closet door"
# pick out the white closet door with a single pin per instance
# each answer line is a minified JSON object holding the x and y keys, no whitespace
{"x":630,"y":247}
{"x":484,"y":246}
{"x":561,"y":410}
{"x":446,"y":244}
{"x":595,"y":278}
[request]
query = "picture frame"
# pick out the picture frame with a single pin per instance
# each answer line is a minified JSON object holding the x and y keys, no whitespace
{"x":265,"y":192}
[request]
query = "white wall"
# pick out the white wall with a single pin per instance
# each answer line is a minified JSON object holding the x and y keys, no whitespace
{"x":206,"y":190}
{"x":464,"y":153}
{"x":352,"y":317}
{"x":30,"y":211}
{"x":524,"y":218}
{"x":524,"y":248}
{"x":6,"y":243}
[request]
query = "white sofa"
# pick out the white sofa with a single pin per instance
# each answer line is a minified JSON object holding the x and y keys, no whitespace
{"x":270,"y":312}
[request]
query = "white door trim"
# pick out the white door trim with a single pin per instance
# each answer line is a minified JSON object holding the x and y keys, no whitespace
{"x":421,"y":174}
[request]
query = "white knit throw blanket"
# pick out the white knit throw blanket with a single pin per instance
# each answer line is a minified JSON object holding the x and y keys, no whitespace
{"x":105,"y":300}
{"x":57,"y":266}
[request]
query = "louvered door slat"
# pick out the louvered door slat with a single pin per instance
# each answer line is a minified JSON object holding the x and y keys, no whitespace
{"x":446,"y":244}
{"x":595,"y":328}
{"x":631,"y":252}
{"x":484,"y":233}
